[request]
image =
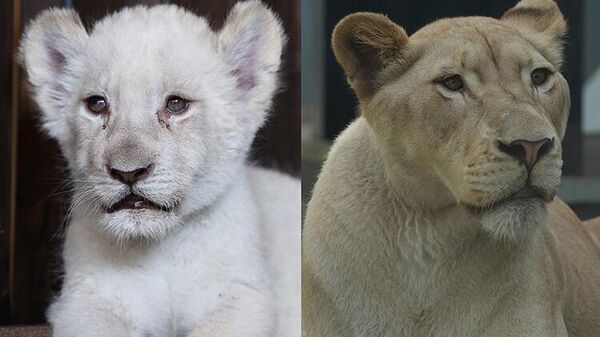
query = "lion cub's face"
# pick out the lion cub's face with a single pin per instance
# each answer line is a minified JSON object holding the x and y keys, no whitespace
{"x":153,"y":110}
{"x":478,"y":105}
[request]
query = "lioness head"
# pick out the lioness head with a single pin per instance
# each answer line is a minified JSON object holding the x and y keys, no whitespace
{"x":471,"y":110}
{"x":154,"y":111}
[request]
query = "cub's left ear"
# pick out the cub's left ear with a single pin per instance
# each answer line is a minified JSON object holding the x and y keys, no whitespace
{"x":542,"y":23}
{"x":251,"y":41}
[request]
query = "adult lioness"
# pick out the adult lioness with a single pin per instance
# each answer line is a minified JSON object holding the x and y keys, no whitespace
{"x":433,"y":215}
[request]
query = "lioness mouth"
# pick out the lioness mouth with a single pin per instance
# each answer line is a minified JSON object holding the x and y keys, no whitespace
{"x":134,"y":201}
{"x":523,"y":194}
{"x":526,"y":193}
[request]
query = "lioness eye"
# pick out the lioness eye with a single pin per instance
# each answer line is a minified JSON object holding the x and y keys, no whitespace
{"x":539,"y":76}
{"x":454,"y":82}
{"x":176,"y":104}
{"x":96,"y":104}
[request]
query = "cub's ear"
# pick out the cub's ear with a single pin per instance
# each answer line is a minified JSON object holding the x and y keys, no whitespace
{"x":543,"y":23}
{"x":251,"y":41}
{"x":364,"y":44}
{"x":49,"y":44}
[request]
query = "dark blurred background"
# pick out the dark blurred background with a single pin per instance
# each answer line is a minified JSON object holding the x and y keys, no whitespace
{"x":33,"y":199}
{"x":328,"y":104}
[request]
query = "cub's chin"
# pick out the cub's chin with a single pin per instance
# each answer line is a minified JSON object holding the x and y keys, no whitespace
{"x":514,"y":219}
{"x":139,"y":225}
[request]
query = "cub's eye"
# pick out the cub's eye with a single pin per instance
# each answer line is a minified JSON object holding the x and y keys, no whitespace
{"x":96,"y":104}
{"x":454,"y":82}
{"x":176,"y":104}
{"x":539,"y":76}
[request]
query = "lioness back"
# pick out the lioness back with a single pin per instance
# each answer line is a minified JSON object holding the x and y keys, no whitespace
{"x":580,"y":255}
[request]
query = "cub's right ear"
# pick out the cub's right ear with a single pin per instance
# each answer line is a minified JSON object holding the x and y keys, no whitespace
{"x":48,"y":45}
{"x":364,"y":44}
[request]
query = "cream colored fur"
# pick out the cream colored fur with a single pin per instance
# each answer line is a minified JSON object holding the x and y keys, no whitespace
{"x":415,"y":227}
{"x":594,"y":226}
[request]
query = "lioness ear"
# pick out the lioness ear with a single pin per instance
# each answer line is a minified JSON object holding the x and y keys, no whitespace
{"x":364,"y":44}
{"x":543,"y":22}
{"x":251,"y":41}
{"x":50,"y":42}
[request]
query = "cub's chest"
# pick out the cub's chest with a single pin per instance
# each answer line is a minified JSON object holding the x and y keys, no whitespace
{"x":171,"y":301}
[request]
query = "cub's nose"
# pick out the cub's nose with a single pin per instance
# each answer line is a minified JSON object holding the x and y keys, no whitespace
{"x":527,"y":152}
{"x":130,"y":177}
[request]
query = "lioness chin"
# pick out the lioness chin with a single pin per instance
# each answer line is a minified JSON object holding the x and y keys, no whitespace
{"x":171,"y":233}
{"x":433,"y":214}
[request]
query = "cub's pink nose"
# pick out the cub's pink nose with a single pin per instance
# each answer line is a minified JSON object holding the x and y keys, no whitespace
{"x":527,"y":152}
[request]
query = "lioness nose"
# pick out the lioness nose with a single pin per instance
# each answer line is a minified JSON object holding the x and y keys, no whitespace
{"x":130,"y":177}
{"x":527,"y":152}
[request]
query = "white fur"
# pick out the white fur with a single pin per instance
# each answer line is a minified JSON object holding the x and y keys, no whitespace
{"x":224,"y":261}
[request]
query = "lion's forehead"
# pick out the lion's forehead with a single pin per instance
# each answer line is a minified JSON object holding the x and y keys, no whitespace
{"x":156,"y":41}
{"x":150,"y":49}
{"x":466,"y":43}
{"x":464,"y":26}
{"x":163,"y":20}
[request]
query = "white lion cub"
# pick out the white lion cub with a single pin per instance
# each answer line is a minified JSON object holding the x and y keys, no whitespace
{"x":171,"y":232}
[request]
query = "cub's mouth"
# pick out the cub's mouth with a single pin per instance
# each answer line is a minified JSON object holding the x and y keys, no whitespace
{"x":136,"y":202}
